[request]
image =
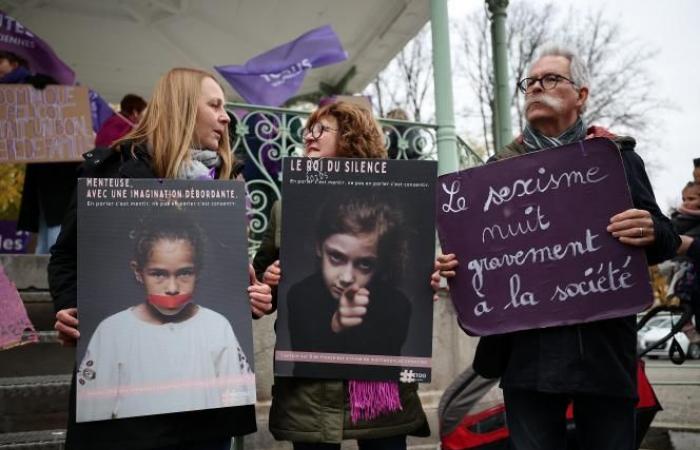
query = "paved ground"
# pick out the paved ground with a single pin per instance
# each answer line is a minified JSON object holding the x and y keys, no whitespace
{"x":678,"y":390}
{"x":677,"y":427}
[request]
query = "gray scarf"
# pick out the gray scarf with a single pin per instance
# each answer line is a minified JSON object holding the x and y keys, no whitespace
{"x":534,"y":140}
{"x":201,"y":166}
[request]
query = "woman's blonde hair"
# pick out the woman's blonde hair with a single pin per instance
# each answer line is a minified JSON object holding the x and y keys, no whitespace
{"x":168,"y":123}
{"x":359,"y":134}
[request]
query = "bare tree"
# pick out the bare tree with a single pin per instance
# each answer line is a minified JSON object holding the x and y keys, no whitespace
{"x":620,"y":84}
{"x":407,"y":80}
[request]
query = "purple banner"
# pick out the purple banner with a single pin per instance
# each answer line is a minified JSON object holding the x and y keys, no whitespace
{"x":530,"y":235}
{"x":16,"y":38}
{"x":275,"y":76}
{"x":12,"y":240}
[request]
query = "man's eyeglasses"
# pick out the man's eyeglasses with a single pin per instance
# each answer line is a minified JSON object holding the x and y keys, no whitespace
{"x":316,"y":130}
{"x":547,"y":81}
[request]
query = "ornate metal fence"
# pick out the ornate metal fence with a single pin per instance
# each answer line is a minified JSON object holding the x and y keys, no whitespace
{"x":262,"y":136}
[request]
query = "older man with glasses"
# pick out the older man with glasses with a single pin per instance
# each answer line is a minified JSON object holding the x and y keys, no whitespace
{"x":591,"y":364}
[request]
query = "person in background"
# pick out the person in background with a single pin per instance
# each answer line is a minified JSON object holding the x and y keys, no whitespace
{"x":404,"y":142}
{"x":121,"y":123}
{"x":686,"y":221}
{"x":15,"y":70}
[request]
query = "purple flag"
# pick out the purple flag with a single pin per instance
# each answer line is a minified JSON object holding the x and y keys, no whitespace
{"x":16,"y":38}
{"x":276,"y":75}
{"x":100,"y":110}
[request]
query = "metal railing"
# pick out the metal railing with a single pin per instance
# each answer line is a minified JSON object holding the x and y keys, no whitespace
{"x":262,"y":136}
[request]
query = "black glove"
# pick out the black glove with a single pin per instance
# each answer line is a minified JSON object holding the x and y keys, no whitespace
{"x":40,"y":81}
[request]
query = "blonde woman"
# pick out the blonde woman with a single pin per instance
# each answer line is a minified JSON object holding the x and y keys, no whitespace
{"x":183,"y":135}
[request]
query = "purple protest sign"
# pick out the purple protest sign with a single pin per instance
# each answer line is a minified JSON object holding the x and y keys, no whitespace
{"x":16,"y":38}
{"x":15,"y":327}
{"x":271,"y":78}
{"x":530,"y":235}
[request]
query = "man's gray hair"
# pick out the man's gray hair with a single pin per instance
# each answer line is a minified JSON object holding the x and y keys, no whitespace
{"x":579,"y":71}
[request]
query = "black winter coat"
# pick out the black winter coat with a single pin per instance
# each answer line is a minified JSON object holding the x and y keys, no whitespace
{"x":139,"y":432}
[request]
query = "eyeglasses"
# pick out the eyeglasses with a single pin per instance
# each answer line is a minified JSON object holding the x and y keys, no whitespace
{"x":547,"y":81}
{"x":316,"y":130}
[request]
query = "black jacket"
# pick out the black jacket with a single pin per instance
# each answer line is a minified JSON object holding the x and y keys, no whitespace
{"x":139,"y":432}
{"x":310,"y":308}
{"x":47,"y":191}
{"x":591,"y":358}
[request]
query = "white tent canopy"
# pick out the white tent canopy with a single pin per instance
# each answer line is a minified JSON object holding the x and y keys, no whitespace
{"x":122,"y":46}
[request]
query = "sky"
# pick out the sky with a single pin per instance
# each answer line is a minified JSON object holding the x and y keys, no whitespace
{"x":670,"y":27}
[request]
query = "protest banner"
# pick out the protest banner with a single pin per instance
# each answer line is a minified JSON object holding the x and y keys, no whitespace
{"x":530,"y":236}
{"x":358,"y":234}
{"x":49,"y":125}
{"x":162,"y":292}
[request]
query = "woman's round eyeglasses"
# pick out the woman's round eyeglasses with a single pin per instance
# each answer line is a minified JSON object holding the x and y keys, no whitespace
{"x":316,"y":130}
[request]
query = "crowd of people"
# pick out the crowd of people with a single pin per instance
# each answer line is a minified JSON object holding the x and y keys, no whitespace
{"x":183,"y":133}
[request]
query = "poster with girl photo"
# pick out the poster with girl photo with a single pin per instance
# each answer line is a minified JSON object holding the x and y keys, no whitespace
{"x":162,"y":293}
{"x":358,"y":245}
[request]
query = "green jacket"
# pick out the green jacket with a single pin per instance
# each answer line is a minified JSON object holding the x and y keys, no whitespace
{"x":317,"y":410}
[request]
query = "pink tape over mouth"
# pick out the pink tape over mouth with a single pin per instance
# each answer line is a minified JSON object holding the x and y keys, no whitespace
{"x":169,"y":301}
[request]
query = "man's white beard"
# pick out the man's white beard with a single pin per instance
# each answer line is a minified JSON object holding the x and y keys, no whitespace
{"x":546,"y":99}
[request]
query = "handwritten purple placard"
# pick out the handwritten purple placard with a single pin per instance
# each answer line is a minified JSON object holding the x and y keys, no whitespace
{"x":12,"y":240}
{"x":13,"y":317}
{"x":529,"y":233}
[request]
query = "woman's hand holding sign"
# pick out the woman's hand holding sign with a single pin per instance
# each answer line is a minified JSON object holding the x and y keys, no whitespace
{"x":259,"y":294}
{"x":445,"y":266}
{"x":352,"y":308}
{"x":633,"y":227}
{"x":272,"y":274}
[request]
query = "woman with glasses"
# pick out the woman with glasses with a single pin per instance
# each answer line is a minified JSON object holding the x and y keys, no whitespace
{"x":320,"y":413}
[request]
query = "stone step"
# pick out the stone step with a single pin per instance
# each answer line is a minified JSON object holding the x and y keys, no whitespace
{"x":26,"y":271}
{"x":33,"y":403}
{"x":33,"y":440}
{"x":46,"y":357}
{"x":39,"y":308}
